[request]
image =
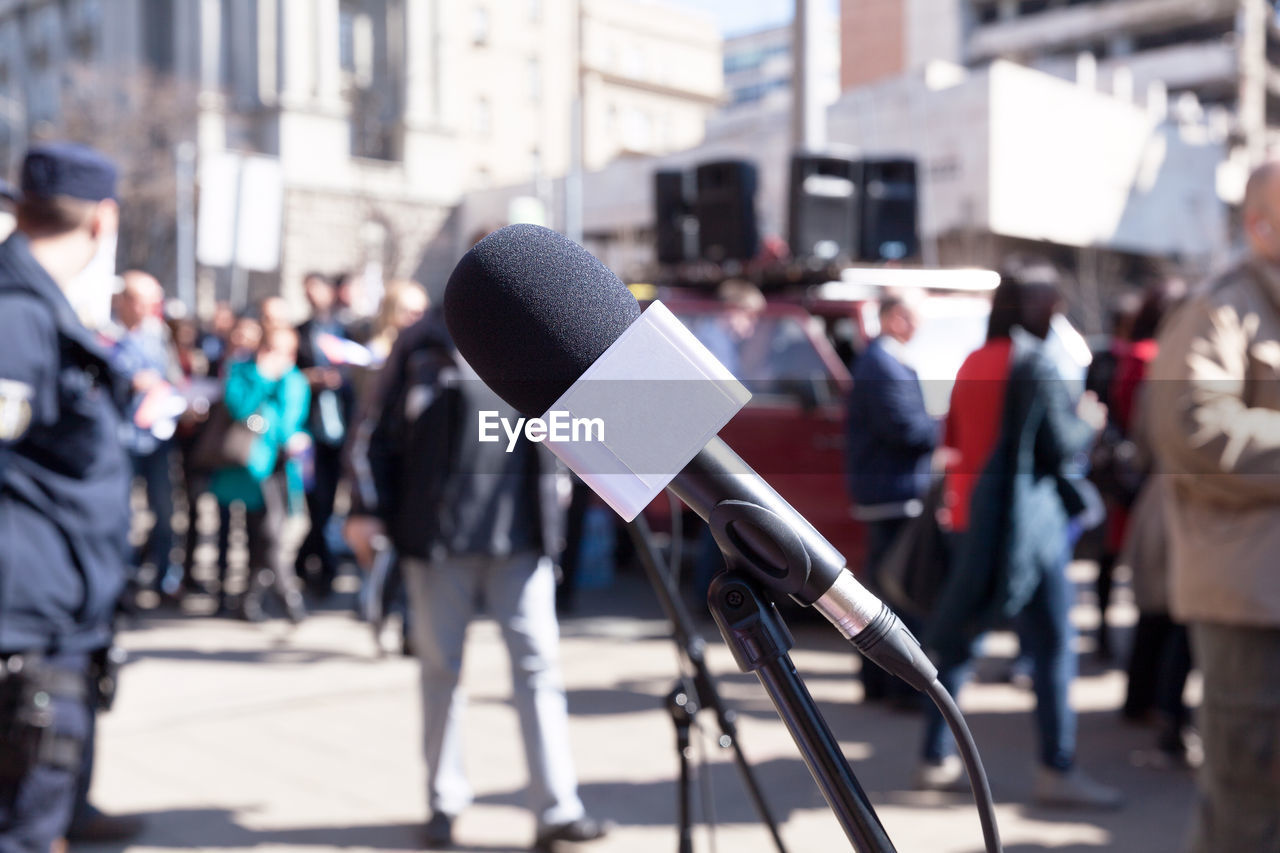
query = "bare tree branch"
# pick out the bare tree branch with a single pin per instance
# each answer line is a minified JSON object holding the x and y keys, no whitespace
{"x":138,"y":119}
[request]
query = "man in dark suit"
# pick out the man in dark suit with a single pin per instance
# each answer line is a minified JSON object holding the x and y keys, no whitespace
{"x":890,"y":446}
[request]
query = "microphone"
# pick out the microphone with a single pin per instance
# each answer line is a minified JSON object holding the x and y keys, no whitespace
{"x":552,"y":331}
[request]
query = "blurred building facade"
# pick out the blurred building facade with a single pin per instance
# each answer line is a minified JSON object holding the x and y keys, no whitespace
{"x":758,"y":66}
{"x":380,"y":113}
{"x":1217,"y":57}
{"x":1011,"y":160}
{"x":1169,"y":80}
{"x":884,"y":38}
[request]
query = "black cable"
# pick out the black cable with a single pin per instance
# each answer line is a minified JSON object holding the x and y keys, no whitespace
{"x":972,"y":763}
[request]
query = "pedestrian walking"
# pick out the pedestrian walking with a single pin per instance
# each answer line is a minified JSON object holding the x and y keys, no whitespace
{"x":1016,"y":432}
{"x":472,"y":521}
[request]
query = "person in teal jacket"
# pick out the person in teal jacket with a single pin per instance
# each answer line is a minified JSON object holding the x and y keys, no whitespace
{"x":271,"y":396}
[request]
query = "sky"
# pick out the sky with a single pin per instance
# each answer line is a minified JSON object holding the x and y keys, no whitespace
{"x":743,"y":16}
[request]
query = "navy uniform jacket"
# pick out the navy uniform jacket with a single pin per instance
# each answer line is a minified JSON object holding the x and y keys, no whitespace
{"x":64,"y":476}
{"x":891,"y":434}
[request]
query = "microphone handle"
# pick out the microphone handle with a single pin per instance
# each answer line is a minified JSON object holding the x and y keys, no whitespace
{"x":762,"y":534}
{"x":774,"y":542}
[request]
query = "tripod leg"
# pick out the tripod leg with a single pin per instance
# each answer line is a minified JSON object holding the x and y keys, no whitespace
{"x":691,"y":645}
{"x":682,"y":708}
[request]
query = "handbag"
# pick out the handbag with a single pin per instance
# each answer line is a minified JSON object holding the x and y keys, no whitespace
{"x":913,"y":572}
{"x":1116,"y":467}
{"x":225,"y":442}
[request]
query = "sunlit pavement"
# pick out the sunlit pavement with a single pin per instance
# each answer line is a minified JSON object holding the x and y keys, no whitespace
{"x":232,"y":736}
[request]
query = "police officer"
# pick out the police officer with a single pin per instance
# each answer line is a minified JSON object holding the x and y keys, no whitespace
{"x":64,"y":481}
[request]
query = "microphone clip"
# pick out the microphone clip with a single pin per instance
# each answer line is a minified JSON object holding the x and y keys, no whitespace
{"x":761,"y":543}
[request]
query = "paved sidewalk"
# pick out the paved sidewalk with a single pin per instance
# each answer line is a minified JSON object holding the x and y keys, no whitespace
{"x":231,"y":736}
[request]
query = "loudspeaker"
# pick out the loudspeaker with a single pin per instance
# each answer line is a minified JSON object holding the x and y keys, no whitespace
{"x":889,"y":209}
{"x":726,"y":209}
{"x":823,"y":206}
{"x":675,"y":227}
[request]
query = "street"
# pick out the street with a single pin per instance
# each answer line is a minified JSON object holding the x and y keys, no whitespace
{"x":232,"y":736}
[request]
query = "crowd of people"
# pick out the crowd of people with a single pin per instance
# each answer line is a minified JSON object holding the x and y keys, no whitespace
{"x":254,"y":412}
{"x":1167,"y":445}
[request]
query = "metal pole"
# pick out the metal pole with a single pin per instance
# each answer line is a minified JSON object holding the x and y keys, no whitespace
{"x":759,"y":640}
{"x":239,"y":294}
{"x":16,"y":123}
{"x":185,"y":173}
{"x":808,"y":113}
{"x":1251,"y":35}
{"x":573,"y":179}
{"x":702,"y":691}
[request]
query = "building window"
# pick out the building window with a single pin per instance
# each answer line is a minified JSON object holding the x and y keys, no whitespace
{"x":82,"y":35}
{"x":372,"y":107}
{"x":483,"y":117}
{"x":37,"y":40}
{"x":355,"y":44}
{"x":479,"y":26}
{"x":226,"y":40}
{"x":754,"y":57}
{"x":1203,"y":31}
{"x":158,"y":34}
{"x":371,"y":136}
{"x":347,"y":38}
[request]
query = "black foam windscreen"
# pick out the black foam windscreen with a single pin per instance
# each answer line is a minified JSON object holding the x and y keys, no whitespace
{"x":530,"y":310}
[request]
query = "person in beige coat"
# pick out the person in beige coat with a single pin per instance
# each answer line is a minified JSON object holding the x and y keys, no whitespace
{"x":1216,"y":388}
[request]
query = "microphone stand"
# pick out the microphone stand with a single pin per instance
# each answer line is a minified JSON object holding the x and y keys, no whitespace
{"x":687,"y":699}
{"x":767,"y":544}
{"x":759,"y":640}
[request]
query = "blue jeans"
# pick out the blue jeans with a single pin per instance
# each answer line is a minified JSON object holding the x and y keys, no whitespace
{"x":1048,"y":638}
{"x":1239,"y":804}
{"x":153,"y":468}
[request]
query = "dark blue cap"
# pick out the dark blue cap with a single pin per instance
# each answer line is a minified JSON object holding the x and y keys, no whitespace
{"x":68,"y":169}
